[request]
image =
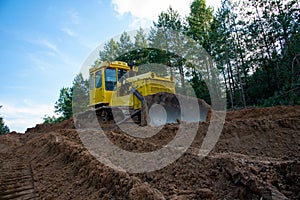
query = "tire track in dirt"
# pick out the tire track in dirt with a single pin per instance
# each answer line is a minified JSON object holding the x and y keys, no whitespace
{"x":16,"y":176}
{"x":17,"y":182}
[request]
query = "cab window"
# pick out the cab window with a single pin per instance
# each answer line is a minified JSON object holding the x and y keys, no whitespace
{"x":99,"y":79}
{"x":121,"y":72}
{"x":110,"y":78}
{"x":91,"y":82}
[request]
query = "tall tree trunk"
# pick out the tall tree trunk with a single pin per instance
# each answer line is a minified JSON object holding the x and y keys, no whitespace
{"x":231,"y":83}
{"x":228,"y":87}
{"x":231,"y":77}
{"x":181,"y":72}
{"x":241,"y":88}
{"x":263,"y":33}
{"x":238,"y":68}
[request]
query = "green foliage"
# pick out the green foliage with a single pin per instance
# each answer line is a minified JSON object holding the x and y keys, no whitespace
{"x":3,"y":128}
{"x":256,"y":50}
{"x":125,"y":44}
{"x":286,"y":96}
{"x":63,"y":106}
{"x":51,"y":120}
{"x":200,"y":87}
{"x":199,"y":22}
{"x":255,"y":56}
{"x":111,"y":51}
{"x":71,"y":101}
{"x":140,"y":39}
{"x":80,"y":94}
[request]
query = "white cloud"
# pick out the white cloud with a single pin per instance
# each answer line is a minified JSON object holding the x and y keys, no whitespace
{"x":24,"y":114}
{"x":150,"y":9}
{"x":146,"y":11}
{"x":213,"y":3}
{"x":49,"y":55}
{"x":47,"y":44}
{"x":140,"y":22}
{"x":38,"y":61}
{"x":68,"y":31}
{"x":74,"y":16}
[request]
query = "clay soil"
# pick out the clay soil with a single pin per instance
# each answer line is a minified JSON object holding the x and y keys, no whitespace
{"x":256,"y":157}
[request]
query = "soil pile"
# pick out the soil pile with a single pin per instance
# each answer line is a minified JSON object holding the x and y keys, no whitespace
{"x":256,"y":157}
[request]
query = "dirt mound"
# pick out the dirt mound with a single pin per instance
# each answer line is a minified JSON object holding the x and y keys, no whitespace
{"x":39,"y":128}
{"x":256,"y":157}
{"x":270,"y":113}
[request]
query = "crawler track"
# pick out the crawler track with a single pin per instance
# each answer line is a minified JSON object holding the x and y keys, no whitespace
{"x":16,"y":182}
{"x":174,"y":107}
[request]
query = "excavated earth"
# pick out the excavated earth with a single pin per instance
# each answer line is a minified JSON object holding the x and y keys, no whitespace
{"x":256,"y":157}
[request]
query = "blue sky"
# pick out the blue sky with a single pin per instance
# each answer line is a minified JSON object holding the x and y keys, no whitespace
{"x":45,"y":43}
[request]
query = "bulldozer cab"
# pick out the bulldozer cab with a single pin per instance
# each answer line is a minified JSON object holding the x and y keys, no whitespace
{"x":103,"y":80}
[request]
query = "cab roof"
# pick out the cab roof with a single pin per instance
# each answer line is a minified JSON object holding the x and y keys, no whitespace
{"x":114,"y":64}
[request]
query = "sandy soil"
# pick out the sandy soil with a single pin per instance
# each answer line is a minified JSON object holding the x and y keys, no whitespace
{"x":256,"y":157}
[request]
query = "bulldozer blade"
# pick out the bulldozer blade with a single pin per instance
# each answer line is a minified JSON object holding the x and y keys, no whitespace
{"x":166,"y":108}
{"x":159,"y":115}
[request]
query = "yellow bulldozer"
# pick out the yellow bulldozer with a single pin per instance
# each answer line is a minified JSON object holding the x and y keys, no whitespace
{"x":117,"y":94}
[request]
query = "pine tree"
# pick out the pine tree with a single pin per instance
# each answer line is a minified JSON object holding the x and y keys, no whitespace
{"x":110,"y":52}
{"x":140,"y":39}
{"x":167,"y":36}
{"x":124,"y":45}
{"x":199,"y":22}
{"x":3,"y":128}
{"x":63,"y":106}
{"x":80,"y":94}
{"x":222,"y":48}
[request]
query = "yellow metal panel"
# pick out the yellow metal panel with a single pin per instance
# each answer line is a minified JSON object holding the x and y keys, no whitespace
{"x":147,"y":84}
{"x":126,"y":100}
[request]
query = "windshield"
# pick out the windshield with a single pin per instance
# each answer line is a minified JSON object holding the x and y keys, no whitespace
{"x":110,"y":78}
